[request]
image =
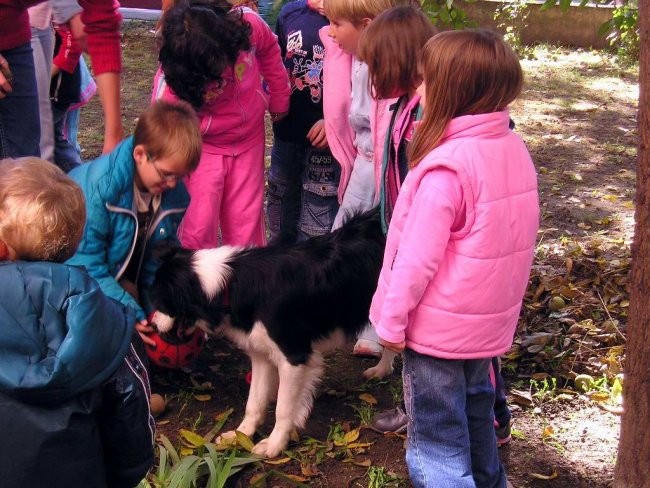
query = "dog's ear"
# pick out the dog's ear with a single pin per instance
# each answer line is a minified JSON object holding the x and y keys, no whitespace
{"x":165,"y":250}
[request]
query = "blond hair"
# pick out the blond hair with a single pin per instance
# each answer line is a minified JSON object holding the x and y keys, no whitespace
{"x":393,"y":66}
{"x":42,"y":210}
{"x":170,"y":129}
{"x":355,"y":11}
{"x":467,"y":72}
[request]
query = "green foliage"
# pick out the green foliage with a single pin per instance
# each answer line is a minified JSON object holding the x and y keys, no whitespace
{"x":444,"y":12}
{"x":622,"y":30}
{"x":512,"y":17}
{"x":206,"y":466}
{"x":623,"y":33}
{"x":364,"y":411}
{"x":379,"y":477}
{"x":199,"y":462}
{"x":544,"y":390}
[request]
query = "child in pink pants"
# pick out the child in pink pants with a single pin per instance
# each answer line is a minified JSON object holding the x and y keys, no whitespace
{"x":215,"y":57}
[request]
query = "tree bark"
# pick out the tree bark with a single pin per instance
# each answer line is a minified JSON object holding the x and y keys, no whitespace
{"x":633,"y":462}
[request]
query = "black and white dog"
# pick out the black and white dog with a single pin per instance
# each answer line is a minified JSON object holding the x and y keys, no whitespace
{"x":284,"y":305}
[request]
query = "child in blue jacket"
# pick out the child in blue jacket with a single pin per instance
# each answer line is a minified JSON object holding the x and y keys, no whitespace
{"x":73,"y":394}
{"x":134,"y":199}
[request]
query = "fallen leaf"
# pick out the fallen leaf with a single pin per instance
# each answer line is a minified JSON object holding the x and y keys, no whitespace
{"x":203,"y":398}
{"x":364,"y":463}
{"x":309,"y":469}
{"x":244,"y":441}
{"x":191,"y":439}
{"x":357,"y":445}
{"x":368,"y":398}
{"x":551,"y":476}
{"x":351,"y":436}
{"x":185,"y":451}
{"x":548,"y":432}
{"x":283,"y":460}
{"x":295,"y":477}
{"x":523,"y":398}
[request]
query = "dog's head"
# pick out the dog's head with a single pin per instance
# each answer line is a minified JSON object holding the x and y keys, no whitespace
{"x":188,"y":288}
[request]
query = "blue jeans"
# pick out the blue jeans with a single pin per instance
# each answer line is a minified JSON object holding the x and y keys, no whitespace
{"x":66,"y":155}
{"x":20,"y":129}
{"x":450,"y":432}
{"x":303,"y":190}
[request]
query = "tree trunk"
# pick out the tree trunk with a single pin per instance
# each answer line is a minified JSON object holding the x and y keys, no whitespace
{"x":633,"y":462}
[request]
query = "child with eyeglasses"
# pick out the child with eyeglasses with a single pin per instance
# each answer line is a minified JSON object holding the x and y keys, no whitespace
{"x":135,"y":198}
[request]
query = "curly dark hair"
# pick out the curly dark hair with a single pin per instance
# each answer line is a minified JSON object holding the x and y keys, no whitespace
{"x":200,"y":40}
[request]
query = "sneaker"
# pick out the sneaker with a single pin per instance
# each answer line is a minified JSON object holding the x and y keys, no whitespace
{"x":394,"y":420}
{"x":367,"y":349}
{"x":502,"y":433}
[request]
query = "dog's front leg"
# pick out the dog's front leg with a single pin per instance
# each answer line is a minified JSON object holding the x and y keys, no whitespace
{"x":264,"y":384}
{"x":295,"y":398}
{"x":383,"y":368}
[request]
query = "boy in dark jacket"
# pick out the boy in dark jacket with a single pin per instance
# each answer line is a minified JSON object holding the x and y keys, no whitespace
{"x":73,"y":395}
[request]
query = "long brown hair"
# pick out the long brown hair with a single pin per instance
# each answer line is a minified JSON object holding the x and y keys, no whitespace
{"x":391,"y":46}
{"x":466,"y":72}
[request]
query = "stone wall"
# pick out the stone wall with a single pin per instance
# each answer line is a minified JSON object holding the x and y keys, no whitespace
{"x":576,"y":27}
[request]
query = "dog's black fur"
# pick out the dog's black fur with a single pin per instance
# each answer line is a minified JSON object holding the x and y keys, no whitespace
{"x":283,"y":304}
{"x":301,"y":292}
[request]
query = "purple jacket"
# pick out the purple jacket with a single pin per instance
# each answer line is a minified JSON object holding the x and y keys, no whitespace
{"x":460,"y":244}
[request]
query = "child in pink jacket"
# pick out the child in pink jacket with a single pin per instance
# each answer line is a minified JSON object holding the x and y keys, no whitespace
{"x":214,"y":58}
{"x":458,"y":254}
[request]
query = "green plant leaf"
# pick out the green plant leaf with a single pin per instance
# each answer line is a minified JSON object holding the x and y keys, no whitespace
{"x":170,"y":449}
{"x":180,"y":472}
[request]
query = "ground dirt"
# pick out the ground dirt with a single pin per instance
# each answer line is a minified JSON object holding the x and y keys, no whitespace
{"x":577,"y":114}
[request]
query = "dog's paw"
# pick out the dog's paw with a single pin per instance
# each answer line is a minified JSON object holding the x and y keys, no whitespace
{"x":226,"y":438}
{"x":268,"y":448}
{"x":379,"y":371}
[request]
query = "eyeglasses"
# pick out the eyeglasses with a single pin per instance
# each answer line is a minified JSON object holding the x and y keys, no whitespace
{"x":168,"y":177}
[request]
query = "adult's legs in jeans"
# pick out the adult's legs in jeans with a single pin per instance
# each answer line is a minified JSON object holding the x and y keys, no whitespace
{"x":43,"y":48}
{"x":450,"y":432}
{"x":20,"y":130}
{"x":283,"y":198}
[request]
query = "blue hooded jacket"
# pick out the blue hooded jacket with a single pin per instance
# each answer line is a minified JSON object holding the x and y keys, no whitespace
{"x":74,"y":411}
{"x":112,"y":225}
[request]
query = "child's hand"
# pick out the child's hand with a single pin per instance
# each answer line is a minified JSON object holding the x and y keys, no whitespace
{"x":6,"y":78}
{"x":397,"y":347}
{"x":317,"y":136}
{"x":77,"y":27}
{"x":278,"y":116}
{"x":144,"y":329}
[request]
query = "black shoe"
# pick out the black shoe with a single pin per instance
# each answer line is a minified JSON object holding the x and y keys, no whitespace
{"x":394,"y":420}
